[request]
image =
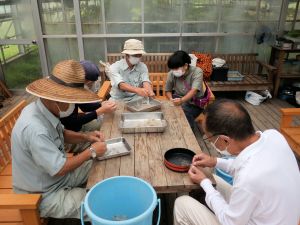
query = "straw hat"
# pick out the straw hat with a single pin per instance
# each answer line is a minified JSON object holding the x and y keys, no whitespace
{"x":65,"y":84}
{"x":133,"y":47}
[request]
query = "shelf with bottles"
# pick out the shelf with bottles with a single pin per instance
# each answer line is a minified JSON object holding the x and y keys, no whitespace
{"x":290,"y":67}
{"x":287,"y":63}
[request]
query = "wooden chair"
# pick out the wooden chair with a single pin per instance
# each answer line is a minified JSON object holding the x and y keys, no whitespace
{"x":15,"y":209}
{"x":104,"y":90}
{"x":158,"y":81}
{"x":288,"y":128}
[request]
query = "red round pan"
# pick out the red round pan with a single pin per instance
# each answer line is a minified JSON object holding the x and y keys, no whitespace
{"x":178,"y":159}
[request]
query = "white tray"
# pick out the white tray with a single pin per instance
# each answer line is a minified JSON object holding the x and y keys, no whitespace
{"x":142,"y":122}
{"x":116,"y":147}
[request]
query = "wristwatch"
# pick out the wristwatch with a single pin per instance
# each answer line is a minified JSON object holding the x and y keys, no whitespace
{"x":93,"y":152}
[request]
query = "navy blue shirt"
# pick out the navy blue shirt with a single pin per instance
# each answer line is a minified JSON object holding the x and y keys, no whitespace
{"x":76,"y":120}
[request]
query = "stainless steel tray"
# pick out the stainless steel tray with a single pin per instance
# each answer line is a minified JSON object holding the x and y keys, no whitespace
{"x":116,"y":147}
{"x":144,"y":122}
{"x":234,"y":76}
{"x":142,"y":105}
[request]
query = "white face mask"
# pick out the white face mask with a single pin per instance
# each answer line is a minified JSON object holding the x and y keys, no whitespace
{"x":178,"y":73}
{"x":222,"y":152}
{"x":68,"y":112}
{"x":134,"y":60}
{"x":91,"y":87}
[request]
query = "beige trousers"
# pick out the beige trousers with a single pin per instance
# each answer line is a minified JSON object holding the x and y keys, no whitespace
{"x":65,"y":201}
{"x":188,"y":211}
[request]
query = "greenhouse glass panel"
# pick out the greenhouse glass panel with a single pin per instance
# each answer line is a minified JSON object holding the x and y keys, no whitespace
{"x":270,"y":10}
{"x":197,"y":10}
{"x":115,"y":45}
{"x":162,"y":11}
{"x":123,"y":17}
{"x":124,"y":28}
{"x":91,"y":16}
{"x":242,"y":27}
{"x":161,"y":27}
{"x":204,"y":27}
{"x":161,"y":44}
{"x":236,"y":44}
{"x":199,"y":44}
{"x":94,"y":49}
{"x":288,"y":26}
{"x":16,"y":20}
{"x":236,"y":10}
{"x":165,"y":13}
{"x":7,"y":29}
{"x":22,"y":70}
{"x":290,"y":16}
{"x":61,"y":49}
{"x":57,"y":16}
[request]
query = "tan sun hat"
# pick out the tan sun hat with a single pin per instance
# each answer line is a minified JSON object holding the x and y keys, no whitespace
{"x":133,"y":47}
{"x":65,"y":84}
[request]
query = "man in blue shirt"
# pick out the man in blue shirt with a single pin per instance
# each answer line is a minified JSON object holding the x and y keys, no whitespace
{"x":129,"y":76}
{"x":39,"y":162}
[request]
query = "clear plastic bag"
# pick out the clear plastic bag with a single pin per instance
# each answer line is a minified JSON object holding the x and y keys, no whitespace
{"x":255,"y":98}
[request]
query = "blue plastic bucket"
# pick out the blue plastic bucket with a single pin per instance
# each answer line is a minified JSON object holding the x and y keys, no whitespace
{"x":225,"y":176}
{"x":121,"y":200}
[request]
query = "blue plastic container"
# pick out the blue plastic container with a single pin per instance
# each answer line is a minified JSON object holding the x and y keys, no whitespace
{"x":225,"y":176}
{"x":121,"y":200}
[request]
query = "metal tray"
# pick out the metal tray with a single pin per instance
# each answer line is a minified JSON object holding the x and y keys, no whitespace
{"x":234,"y":76}
{"x":144,"y":122}
{"x":142,"y":105}
{"x":116,"y":147}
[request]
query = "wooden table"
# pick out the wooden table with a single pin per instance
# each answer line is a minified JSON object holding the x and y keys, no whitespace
{"x":146,"y":158}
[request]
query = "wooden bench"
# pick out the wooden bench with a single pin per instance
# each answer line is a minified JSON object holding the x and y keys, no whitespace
{"x":15,"y":209}
{"x":247,"y":64}
{"x":289,"y":129}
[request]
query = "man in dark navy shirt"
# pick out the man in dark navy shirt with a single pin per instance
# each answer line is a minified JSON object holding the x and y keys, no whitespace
{"x":86,"y":120}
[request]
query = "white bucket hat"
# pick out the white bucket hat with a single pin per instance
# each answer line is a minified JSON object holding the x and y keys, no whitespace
{"x":133,"y":47}
{"x":218,"y":62}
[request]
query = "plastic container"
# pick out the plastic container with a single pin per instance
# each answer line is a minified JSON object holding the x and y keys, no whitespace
{"x":225,"y":176}
{"x":219,"y":73}
{"x":234,"y":75}
{"x":121,"y":200}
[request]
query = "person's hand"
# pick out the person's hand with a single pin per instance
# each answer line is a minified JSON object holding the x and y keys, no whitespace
{"x":204,"y":160}
{"x":196,"y":174}
{"x":176,"y":101}
{"x":94,"y":136}
{"x":107,"y":107}
{"x":151,"y":93}
{"x":100,"y":147}
{"x":142,"y":92}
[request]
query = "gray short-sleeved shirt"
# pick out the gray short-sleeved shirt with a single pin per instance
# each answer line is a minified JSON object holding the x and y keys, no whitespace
{"x":193,"y":77}
{"x":120,"y":72}
{"x":37,"y":150}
